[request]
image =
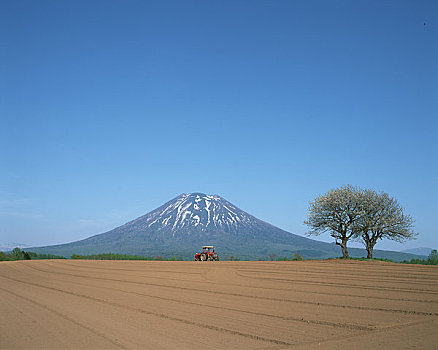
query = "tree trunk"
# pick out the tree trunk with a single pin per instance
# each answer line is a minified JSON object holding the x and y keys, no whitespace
{"x":370,"y":248}
{"x":344,"y":249}
{"x":369,"y":251}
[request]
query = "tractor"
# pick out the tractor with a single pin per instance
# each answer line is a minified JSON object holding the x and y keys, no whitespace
{"x":207,"y":253}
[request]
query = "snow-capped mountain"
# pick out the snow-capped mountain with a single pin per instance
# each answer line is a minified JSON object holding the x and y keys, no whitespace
{"x":183,"y":225}
{"x":197,"y":209}
{"x":197,"y":212}
{"x":198,"y":217}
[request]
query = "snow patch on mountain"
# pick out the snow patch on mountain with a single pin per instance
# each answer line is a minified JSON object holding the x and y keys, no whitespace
{"x":197,"y":210}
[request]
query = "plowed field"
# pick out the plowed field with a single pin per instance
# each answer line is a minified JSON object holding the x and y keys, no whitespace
{"x":61,"y":304}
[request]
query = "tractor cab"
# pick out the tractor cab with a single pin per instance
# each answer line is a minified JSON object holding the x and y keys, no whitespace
{"x":208,"y":249}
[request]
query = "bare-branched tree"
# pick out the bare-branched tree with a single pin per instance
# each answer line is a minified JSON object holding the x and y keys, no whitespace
{"x":382,"y":217}
{"x":336,"y":212}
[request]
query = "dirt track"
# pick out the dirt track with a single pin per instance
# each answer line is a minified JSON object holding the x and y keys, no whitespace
{"x":246,"y":305}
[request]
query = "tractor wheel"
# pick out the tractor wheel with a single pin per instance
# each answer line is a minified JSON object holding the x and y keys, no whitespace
{"x":203,"y":257}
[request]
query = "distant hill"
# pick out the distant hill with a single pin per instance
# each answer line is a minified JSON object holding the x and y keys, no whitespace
{"x":181,"y":226}
{"x":9,"y":247}
{"x":419,"y":251}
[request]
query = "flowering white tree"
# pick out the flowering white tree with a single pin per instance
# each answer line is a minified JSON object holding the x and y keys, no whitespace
{"x":382,"y":217}
{"x":336,"y":212}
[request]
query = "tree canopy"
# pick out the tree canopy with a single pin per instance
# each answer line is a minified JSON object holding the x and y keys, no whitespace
{"x":336,"y":212}
{"x":382,"y":217}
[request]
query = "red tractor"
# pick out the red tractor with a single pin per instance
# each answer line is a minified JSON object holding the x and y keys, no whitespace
{"x":207,"y":253}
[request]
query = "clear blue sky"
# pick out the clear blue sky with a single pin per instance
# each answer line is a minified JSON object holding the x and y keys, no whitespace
{"x":110,"y":108}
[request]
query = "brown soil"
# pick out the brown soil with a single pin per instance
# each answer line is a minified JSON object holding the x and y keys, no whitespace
{"x":72,"y":304}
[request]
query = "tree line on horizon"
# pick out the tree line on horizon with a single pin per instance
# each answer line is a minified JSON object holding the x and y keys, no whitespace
{"x":18,"y":254}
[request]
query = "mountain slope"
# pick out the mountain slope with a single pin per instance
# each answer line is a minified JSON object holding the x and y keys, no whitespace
{"x":419,"y":251}
{"x":182,"y":225}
